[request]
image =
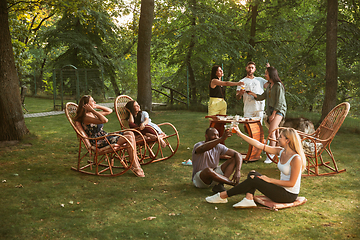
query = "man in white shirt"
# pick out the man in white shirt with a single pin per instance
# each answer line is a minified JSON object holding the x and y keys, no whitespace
{"x":252,"y":108}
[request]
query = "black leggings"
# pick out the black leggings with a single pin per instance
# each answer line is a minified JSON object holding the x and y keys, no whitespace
{"x":274,"y":192}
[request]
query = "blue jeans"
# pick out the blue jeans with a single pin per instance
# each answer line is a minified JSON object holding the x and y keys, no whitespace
{"x":271,"y":110}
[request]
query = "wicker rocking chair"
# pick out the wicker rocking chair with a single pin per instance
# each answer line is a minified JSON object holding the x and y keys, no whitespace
{"x":317,"y":143}
{"x":111,"y":160}
{"x":155,"y":152}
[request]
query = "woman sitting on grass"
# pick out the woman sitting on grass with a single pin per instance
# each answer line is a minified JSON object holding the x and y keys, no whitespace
{"x":140,"y":119}
{"x":291,"y":163}
{"x":92,"y":122}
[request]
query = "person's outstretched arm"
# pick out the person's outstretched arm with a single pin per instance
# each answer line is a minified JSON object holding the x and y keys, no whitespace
{"x":217,"y":82}
{"x":258,"y":97}
{"x":211,"y":144}
{"x":256,"y":143}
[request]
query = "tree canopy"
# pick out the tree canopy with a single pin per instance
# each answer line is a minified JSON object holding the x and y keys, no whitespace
{"x":188,"y":37}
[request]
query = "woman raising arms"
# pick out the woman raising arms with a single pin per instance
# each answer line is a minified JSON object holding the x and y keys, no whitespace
{"x":291,"y":163}
{"x":93,"y":121}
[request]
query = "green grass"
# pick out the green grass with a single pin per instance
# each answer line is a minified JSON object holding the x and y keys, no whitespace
{"x":37,"y":104}
{"x":115,"y":208}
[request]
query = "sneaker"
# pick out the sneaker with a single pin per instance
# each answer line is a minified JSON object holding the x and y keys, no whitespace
{"x":216,"y":199}
{"x":268,"y":160}
{"x":218,"y":188}
{"x":245,"y":203}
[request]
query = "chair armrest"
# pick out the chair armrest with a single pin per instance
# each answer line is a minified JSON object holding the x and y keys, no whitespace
{"x":312,"y":137}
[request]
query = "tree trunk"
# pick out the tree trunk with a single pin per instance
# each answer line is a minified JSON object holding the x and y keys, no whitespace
{"x":144,"y":96}
{"x":39,"y":79}
{"x":12,"y":121}
{"x":114,"y":85}
{"x":331,"y":58}
{"x":189,"y":55}
{"x":254,"y":14}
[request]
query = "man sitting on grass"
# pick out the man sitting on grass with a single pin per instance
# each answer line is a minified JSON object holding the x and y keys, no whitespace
{"x":205,"y":160}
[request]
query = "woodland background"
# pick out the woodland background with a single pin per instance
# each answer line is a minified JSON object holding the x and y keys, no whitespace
{"x":188,"y":38}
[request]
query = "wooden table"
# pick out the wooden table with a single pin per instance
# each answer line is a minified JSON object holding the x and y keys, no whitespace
{"x":252,"y":126}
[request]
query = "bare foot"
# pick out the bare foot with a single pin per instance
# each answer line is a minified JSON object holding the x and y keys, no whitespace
{"x":162,"y":143}
{"x":137,"y":171}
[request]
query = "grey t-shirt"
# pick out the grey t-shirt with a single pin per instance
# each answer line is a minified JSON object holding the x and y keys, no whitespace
{"x":209,"y":158}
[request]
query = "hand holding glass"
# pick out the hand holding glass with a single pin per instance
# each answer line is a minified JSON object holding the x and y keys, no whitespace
{"x":233,"y":127}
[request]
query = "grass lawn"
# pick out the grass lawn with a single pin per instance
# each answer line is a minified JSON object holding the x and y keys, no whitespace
{"x":37,"y":180}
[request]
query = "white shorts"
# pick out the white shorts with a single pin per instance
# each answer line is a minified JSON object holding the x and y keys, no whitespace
{"x":200,"y":184}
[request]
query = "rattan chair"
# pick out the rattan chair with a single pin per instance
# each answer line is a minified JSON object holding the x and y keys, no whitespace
{"x":317,"y":143}
{"x":111,"y":160}
{"x":154,"y":151}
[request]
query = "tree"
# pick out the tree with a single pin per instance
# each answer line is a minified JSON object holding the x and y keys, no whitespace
{"x":87,"y":38}
{"x":331,"y":58}
{"x":12,"y":125}
{"x":143,"y":54}
{"x":254,"y":13}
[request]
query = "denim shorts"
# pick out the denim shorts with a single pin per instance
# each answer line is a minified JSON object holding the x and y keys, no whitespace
{"x":271,"y":109}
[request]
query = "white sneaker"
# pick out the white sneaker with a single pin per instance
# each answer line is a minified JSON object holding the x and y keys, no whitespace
{"x":268,"y":160}
{"x":245,"y":203}
{"x":216,"y":199}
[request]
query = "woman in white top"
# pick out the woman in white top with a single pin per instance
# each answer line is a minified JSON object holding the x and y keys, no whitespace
{"x":291,"y":163}
{"x":141,"y":120}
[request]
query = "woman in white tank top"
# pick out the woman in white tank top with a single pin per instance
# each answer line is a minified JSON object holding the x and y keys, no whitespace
{"x":291,"y":163}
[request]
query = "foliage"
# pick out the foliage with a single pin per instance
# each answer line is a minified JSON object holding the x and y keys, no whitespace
{"x":188,"y":38}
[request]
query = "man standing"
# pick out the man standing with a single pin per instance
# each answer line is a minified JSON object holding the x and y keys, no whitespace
{"x":252,"y":108}
{"x":205,"y":160}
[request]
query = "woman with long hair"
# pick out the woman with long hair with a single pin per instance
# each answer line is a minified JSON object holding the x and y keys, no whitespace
{"x":291,"y":164}
{"x":217,"y":103}
{"x":92,"y":122}
{"x":275,"y":103}
{"x":141,"y":120}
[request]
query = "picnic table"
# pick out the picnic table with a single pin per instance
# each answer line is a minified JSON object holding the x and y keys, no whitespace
{"x":252,"y":126}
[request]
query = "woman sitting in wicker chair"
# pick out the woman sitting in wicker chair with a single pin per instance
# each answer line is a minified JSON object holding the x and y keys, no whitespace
{"x":140,"y":119}
{"x":92,"y":122}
